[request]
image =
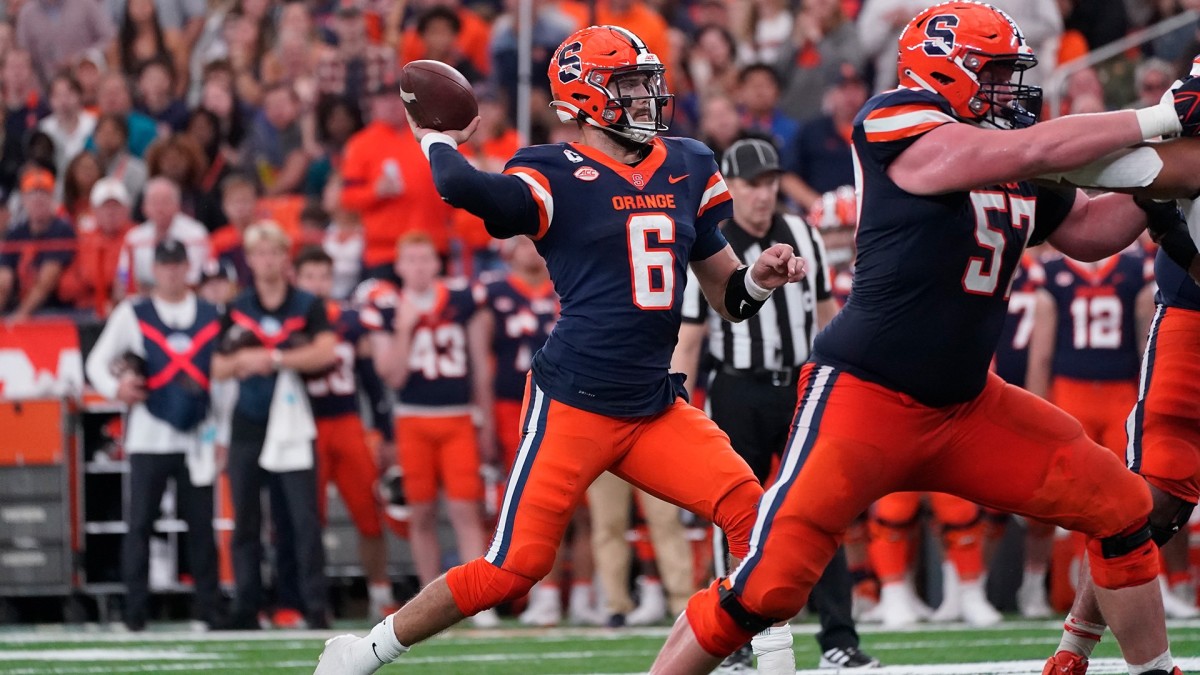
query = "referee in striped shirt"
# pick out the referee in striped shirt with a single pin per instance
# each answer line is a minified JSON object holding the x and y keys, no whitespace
{"x":752,"y":393}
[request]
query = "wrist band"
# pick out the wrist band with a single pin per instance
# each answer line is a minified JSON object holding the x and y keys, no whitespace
{"x":436,"y":137}
{"x":1159,"y":120}
{"x":757,"y":292}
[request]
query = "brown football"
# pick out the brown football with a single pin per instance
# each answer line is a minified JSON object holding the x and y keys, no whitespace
{"x":437,"y":96}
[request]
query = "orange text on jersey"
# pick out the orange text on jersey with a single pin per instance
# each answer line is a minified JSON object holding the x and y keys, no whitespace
{"x":630,"y":202}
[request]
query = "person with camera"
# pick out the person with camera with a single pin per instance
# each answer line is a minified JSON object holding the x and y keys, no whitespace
{"x":154,"y":355}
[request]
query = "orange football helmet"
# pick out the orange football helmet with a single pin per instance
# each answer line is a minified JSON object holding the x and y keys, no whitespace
{"x":589,"y":71}
{"x":946,"y":47}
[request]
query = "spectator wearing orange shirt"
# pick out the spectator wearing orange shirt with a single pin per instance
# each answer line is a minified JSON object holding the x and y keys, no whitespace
{"x":89,"y":281}
{"x":35,"y":252}
{"x":239,"y":200}
{"x":387,"y":181}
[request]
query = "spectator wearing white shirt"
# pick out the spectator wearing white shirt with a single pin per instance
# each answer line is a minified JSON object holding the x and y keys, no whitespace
{"x":68,"y":124}
{"x":154,"y":355}
{"x":161,"y":205}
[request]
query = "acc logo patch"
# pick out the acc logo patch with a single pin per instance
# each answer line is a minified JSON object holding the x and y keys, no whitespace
{"x":586,"y":173}
{"x":1064,"y":278}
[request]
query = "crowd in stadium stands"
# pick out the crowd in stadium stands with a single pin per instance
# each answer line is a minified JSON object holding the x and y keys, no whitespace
{"x":128,"y":123}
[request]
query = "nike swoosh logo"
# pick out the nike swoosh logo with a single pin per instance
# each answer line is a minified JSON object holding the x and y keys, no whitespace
{"x":743,"y":307}
{"x":675,"y":179}
{"x":373,"y":645}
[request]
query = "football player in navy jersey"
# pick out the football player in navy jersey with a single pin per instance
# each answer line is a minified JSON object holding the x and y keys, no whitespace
{"x":618,"y":218}
{"x":898,"y":395}
{"x":343,"y":455}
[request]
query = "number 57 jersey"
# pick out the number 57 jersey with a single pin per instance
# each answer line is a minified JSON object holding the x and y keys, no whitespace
{"x":933,"y":273}
{"x":617,"y":240}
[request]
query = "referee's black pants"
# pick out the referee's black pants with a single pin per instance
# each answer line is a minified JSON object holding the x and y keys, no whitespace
{"x":755,"y":410}
{"x":299,"y":492}
{"x":148,"y":474}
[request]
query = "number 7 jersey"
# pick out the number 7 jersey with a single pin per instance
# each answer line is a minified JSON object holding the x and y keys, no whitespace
{"x":617,"y":240}
{"x":932,"y":273}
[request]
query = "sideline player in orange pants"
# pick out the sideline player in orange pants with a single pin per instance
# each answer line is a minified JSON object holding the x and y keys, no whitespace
{"x":637,"y":210}
{"x":961,"y":528}
{"x":898,"y":395}
{"x":343,"y":456}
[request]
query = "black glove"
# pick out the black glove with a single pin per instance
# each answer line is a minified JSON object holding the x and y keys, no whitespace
{"x":1168,"y":228}
{"x":1187,"y":105}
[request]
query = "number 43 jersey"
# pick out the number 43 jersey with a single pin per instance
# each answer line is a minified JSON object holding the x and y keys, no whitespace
{"x":438,"y":366}
{"x":617,"y":240}
{"x":933,"y":273}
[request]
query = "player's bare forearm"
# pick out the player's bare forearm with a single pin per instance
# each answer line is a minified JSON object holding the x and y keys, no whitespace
{"x":313,"y":357}
{"x":479,"y":341}
{"x":1041,"y":346}
{"x":391,"y":358}
{"x":955,"y":157}
{"x":1098,"y":227}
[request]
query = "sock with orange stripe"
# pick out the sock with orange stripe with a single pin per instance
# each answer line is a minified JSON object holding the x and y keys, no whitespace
{"x":1079,"y":636}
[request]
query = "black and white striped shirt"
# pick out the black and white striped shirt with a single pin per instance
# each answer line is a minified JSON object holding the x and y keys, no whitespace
{"x":780,"y":336}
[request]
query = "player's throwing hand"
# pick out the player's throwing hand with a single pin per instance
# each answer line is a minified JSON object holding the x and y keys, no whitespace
{"x":777,"y":266}
{"x":459,"y":136}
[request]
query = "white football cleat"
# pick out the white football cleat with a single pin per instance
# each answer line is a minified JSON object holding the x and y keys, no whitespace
{"x":1031,"y":596}
{"x":544,"y":609}
{"x":338,"y":658}
{"x":896,"y":607}
{"x":976,"y":610}
{"x":581,"y":610}
{"x":1174,"y":606}
{"x":652,"y":604}
{"x":486,"y":619}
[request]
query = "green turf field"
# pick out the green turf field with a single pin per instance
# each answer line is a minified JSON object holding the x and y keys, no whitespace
{"x":1015,"y":647}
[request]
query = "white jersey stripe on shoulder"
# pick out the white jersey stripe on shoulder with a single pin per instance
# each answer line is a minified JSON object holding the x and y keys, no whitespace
{"x":543,"y":195}
{"x":882,"y":125}
{"x":712,"y":193}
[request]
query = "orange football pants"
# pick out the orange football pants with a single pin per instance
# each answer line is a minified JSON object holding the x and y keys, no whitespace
{"x":892,"y":521}
{"x":343,"y":456}
{"x":854,"y":441}
{"x":678,"y":455}
{"x":1101,"y":407}
{"x":1164,"y":439}
{"x":439,"y":451}
{"x":507,"y":416}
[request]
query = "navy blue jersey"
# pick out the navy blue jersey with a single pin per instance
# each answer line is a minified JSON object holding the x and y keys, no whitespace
{"x":1175,"y":287}
{"x":178,"y":363}
{"x":335,"y":393}
{"x":1012,"y":354}
{"x":617,"y":247}
{"x":524,"y":317}
{"x":438,"y":364}
{"x":247,"y":323}
{"x":932,"y":273}
{"x":1096,"y":311}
